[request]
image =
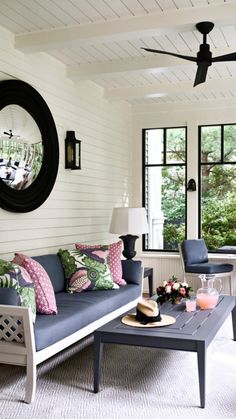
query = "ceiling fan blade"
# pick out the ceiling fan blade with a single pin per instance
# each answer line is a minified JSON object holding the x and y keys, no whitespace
{"x":201,"y":73}
{"x":227,"y":57}
{"x":184,"y":57}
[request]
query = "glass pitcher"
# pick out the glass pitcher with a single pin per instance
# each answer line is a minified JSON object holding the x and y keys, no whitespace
{"x":207,"y":295}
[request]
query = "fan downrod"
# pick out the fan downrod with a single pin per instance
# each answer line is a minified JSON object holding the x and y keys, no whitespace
{"x":205,"y":27}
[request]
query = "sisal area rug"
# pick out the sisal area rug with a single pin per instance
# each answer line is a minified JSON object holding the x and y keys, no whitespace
{"x":137,"y":383}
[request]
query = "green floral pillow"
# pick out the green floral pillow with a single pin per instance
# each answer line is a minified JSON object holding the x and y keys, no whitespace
{"x":87,"y":269}
{"x":14,"y":276}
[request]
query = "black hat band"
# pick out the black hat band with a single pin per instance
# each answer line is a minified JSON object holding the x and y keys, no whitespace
{"x":143,"y":319}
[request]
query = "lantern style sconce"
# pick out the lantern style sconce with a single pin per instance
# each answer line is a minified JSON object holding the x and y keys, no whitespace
{"x":72,"y":151}
{"x":191,"y":186}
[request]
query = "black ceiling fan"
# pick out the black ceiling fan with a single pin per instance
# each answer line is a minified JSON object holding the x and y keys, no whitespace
{"x":204,"y":56}
{"x":10,"y":133}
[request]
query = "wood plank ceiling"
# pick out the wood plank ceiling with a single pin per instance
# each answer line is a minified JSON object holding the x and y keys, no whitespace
{"x":101,"y":40}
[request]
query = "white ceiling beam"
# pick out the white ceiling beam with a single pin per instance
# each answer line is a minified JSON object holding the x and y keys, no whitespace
{"x":148,"y":63}
{"x":161,"y":89}
{"x":154,"y":61}
{"x":178,"y":107}
{"x":150,"y":24}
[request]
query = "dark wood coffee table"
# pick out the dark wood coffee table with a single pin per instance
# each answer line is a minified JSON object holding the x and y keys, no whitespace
{"x":192,"y":332}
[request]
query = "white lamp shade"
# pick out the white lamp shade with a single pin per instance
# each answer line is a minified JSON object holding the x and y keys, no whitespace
{"x":129,"y":221}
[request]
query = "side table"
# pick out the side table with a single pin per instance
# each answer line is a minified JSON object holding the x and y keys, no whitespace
{"x":148,"y":273}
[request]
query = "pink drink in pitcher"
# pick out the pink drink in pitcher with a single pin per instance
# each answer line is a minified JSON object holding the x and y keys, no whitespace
{"x":207,"y":295}
{"x":206,"y":302}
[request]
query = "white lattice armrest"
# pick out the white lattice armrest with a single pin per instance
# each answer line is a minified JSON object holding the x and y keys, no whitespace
{"x":17,"y":343}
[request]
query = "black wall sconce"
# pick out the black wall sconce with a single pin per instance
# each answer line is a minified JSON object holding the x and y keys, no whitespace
{"x":191,"y":186}
{"x":72,"y":151}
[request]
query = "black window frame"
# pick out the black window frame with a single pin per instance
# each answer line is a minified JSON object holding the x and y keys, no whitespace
{"x":144,"y":165}
{"x":200,"y":164}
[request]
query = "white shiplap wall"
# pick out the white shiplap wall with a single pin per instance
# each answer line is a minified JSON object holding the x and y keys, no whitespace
{"x":80,"y":205}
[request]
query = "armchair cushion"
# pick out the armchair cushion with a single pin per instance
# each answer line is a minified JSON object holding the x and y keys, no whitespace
{"x":194,"y":251}
{"x":209,"y":268}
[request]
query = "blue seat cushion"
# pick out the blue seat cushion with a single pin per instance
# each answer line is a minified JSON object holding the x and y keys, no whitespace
{"x":209,"y":268}
{"x":194,"y":251}
{"x":76,"y":311}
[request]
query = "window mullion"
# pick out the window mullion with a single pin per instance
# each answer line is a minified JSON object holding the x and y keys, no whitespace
{"x":164,"y":147}
{"x":192,"y":173}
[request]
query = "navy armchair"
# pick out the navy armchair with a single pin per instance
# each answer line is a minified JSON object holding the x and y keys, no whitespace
{"x":194,"y":260}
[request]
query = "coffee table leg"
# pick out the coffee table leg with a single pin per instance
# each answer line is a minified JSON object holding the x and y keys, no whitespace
{"x":98,"y":350}
{"x":201,"y":358}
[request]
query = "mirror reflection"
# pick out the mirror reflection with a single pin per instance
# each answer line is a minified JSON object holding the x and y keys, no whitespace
{"x":21,"y":148}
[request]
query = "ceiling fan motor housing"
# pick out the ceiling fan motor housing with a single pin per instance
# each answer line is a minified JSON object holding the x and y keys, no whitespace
{"x":204,"y":54}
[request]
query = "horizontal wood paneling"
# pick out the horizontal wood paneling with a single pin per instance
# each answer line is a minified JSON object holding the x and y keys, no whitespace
{"x":80,"y":205}
{"x":47,"y":223}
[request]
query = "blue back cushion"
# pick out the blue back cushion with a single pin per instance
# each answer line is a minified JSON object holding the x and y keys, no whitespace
{"x":53,"y":267}
{"x":194,"y":251}
{"x":9,"y":296}
{"x":132,"y":271}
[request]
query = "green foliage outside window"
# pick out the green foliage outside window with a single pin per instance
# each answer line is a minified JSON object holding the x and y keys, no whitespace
{"x":173,"y":189}
{"x":219,"y":221}
{"x":218,"y":186}
{"x":173,"y":206}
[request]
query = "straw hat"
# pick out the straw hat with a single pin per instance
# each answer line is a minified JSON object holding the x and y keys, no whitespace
{"x":147,"y":315}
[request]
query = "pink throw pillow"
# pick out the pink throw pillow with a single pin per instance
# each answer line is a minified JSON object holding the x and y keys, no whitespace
{"x":115,"y":266}
{"x":44,"y":292}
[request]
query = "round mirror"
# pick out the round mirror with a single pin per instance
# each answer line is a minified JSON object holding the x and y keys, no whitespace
{"x":21,"y":147}
{"x":29,"y":151}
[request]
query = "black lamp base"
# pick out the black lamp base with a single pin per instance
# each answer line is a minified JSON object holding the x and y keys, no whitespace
{"x":129,"y":244}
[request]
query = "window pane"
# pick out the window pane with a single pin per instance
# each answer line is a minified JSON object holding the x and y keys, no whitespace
{"x":229,"y":143}
{"x":165,"y":203}
{"x":218,"y":205}
{"x":154,"y":146}
{"x":210,"y":144}
{"x":175,"y":145}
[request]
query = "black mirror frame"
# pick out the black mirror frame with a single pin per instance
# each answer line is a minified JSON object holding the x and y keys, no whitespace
{"x":20,"y":93}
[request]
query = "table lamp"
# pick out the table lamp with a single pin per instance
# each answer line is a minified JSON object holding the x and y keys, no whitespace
{"x":130,"y":222}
